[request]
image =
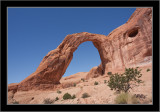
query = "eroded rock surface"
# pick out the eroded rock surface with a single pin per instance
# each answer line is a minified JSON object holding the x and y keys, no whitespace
{"x":125,"y":46}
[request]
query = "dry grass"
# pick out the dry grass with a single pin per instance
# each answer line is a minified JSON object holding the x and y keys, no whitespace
{"x":15,"y":102}
{"x":48,"y":101}
{"x":126,"y":98}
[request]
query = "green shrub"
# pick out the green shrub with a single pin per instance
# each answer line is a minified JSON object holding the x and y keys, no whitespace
{"x":59,"y":92}
{"x":105,"y":81}
{"x":109,"y":73}
{"x":95,"y":83}
{"x":148,"y":70}
{"x":67,"y":96}
{"x":74,"y":96}
{"x":15,"y":102}
{"x":123,"y":82}
{"x":56,"y":99}
{"x":126,"y":98}
{"x":85,"y":95}
{"x":48,"y":101}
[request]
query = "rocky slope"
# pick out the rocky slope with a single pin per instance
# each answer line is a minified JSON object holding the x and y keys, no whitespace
{"x":129,"y":45}
{"x":99,"y":94}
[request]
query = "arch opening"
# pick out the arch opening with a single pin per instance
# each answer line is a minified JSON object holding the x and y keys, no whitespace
{"x":85,"y":57}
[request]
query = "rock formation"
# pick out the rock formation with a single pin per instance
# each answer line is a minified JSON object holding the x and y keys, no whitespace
{"x":125,"y":46}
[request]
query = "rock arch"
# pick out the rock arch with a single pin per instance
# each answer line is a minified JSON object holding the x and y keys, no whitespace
{"x":55,"y":63}
{"x":126,"y":46}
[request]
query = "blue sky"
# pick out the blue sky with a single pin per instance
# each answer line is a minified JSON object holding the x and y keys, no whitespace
{"x":33,"y":32}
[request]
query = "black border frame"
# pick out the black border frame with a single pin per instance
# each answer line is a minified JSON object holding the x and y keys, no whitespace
{"x":5,"y":4}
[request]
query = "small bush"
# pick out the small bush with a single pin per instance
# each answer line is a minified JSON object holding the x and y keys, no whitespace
{"x":109,"y":73}
{"x":123,"y":82}
{"x":82,"y":79}
{"x":125,"y":98}
{"x":74,"y":85}
{"x":59,"y":92}
{"x":148,"y":70}
{"x":56,"y":99}
{"x":95,"y":83}
{"x":67,"y":96}
{"x":85,"y":95}
{"x":105,"y":81}
{"x":74,"y":96}
{"x":48,"y":101}
{"x":15,"y":102}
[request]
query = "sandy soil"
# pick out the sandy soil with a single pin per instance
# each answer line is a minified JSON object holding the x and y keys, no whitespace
{"x":99,"y":94}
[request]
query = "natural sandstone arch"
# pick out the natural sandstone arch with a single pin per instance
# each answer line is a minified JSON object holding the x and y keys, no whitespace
{"x":78,"y":39}
{"x":126,"y":46}
{"x":55,"y":63}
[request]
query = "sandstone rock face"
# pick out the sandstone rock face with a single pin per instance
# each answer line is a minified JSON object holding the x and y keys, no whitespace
{"x":125,"y":46}
{"x":130,"y":43}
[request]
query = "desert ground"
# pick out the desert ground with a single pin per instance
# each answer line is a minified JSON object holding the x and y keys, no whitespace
{"x":98,"y":94}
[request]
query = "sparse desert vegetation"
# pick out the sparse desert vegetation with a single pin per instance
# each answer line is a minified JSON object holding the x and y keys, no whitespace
{"x":148,"y":70}
{"x":48,"y":101}
{"x":74,"y":96}
{"x":126,"y":98}
{"x":59,"y":92}
{"x":95,"y":83}
{"x":109,"y":73}
{"x":123,"y":82}
{"x":56,"y":99}
{"x":85,"y":95}
{"x":15,"y":102}
{"x":92,"y":93}
{"x":67,"y":96}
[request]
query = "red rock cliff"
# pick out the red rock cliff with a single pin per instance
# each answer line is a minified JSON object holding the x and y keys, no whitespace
{"x":126,"y":46}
